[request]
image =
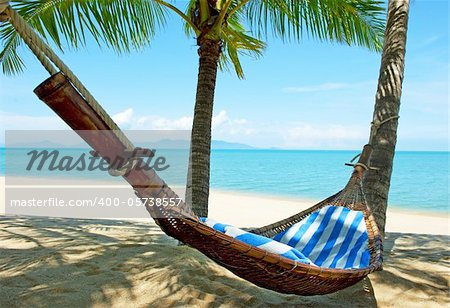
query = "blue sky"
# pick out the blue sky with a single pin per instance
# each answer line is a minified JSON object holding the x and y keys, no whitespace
{"x":307,"y":95}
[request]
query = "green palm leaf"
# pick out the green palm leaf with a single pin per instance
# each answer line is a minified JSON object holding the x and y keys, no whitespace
{"x":237,"y":42}
{"x":359,"y":22}
{"x":117,"y":24}
{"x":352,"y":22}
{"x":130,"y":24}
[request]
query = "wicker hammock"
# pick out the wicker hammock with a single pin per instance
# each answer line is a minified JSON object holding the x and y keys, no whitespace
{"x":269,"y":270}
{"x":65,"y":95}
{"x":263,"y":268}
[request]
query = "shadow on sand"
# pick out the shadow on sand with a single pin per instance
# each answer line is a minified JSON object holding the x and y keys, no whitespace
{"x":82,"y":262}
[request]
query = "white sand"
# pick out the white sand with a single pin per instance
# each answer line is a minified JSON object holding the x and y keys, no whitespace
{"x":255,"y":210}
{"x":99,"y":263}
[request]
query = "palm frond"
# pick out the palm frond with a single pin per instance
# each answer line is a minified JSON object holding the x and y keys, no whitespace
{"x":359,"y":22}
{"x":237,"y":42}
{"x":189,"y":11}
{"x":353,"y":22}
{"x":118,"y":24}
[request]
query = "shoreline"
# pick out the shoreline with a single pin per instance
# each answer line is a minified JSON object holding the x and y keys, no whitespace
{"x":108,"y":183}
{"x":391,"y":207}
{"x":261,"y":210}
{"x":252,"y":209}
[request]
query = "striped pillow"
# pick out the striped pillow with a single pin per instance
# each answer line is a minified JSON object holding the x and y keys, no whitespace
{"x":333,"y":237}
{"x":259,"y":241}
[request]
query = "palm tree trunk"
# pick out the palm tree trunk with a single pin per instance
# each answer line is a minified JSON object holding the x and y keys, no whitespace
{"x":387,"y":105}
{"x":197,"y":192}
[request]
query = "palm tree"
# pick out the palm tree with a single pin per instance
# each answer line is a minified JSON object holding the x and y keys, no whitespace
{"x":224,"y":30}
{"x":387,"y":105}
{"x":219,"y":28}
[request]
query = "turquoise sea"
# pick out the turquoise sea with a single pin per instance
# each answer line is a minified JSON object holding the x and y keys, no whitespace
{"x":420,"y":179}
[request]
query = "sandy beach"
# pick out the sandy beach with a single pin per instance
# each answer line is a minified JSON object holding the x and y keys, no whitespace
{"x":264,"y":107}
{"x":99,"y":262}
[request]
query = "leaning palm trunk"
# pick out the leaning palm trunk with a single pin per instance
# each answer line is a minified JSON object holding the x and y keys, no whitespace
{"x":197,"y":191}
{"x":387,"y":105}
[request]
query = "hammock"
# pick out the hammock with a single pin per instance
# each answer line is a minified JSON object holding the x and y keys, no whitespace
{"x":316,"y":251}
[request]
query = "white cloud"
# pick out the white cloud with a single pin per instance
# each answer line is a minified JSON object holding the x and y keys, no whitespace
{"x":127,"y":120}
{"x":222,"y":124}
{"x":161,"y":123}
{"x":183,"y":123}
{"x":12,"y":121}
{"x":322,"y":137}
{"x":220,"y":119}
{"x":284,"y":135}
{"x":294,"y":135}
{"x":225,"y":127}
{"x":124,"y":117}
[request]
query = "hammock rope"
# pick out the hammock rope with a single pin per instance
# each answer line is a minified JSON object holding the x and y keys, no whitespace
{"x":49,"y":59}
{"x":376,"y":124}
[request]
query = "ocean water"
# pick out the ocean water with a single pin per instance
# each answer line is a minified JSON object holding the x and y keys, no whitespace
{"x":14,"y":162}
{"x":420,"y":180}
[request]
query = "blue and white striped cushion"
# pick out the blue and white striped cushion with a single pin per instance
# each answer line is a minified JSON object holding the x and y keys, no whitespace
{"x":259,"y":241}
{"x":333,"y":237}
